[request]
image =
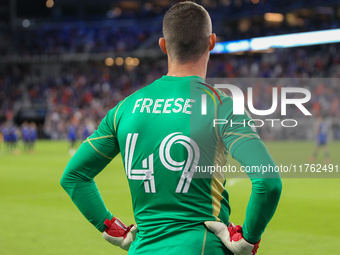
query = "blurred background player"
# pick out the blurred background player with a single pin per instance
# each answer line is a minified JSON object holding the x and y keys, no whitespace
{"x":321,"y":132}
{"x":10,"y":134}
{"x":1,"y":138}
{"x":25,"y":135}
{"x":86,"y":129}
{"x":6,"y":136}
{"x":33,"y":136}
{"x":72,"y":136}
{"x":14,"y":134}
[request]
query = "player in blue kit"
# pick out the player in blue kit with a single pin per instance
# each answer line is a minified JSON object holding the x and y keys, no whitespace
{"x":33,"y":135}
{"x":85,"y":131}
{"x":6,"y":137}
{"x":25,"y":134}
{"x":13,"y":139}
{"x":321,"y":131}
{"x":1,"y":138}
{"x":72,"y":137}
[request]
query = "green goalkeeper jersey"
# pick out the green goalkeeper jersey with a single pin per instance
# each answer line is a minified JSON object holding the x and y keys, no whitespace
{"x":169,"y":133}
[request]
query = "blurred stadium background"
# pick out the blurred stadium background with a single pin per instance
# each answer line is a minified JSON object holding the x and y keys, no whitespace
{"x":64,"y":64}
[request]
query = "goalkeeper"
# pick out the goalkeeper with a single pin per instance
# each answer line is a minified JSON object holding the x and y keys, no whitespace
{"x":163,"y":136}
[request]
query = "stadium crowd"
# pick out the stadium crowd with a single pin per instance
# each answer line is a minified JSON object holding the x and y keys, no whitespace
{"x":82,"y":94}
{"x":126,"y":30}
{"x":110,"y":37}
{"x":67,"y":40}
{"x":77,"y":95}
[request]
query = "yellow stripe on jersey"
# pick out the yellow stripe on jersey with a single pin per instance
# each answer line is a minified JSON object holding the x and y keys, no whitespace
{"x":218,"y":178}
{"x":88,"y":140}
{"x":114,"y":119}
{"x":204,"y":241}
{"x":213,"y":97}
{"x":241,"y":136}
{"x":97,"y":138}
{"x":216,"y":193}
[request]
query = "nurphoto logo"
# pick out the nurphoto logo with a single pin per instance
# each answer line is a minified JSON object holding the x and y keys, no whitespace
{"x":239,"y":105}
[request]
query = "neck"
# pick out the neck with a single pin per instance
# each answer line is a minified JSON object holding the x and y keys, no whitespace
{"x":197,"y":68}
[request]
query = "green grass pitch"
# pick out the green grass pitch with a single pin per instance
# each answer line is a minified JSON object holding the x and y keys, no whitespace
{"x":37,"y":216}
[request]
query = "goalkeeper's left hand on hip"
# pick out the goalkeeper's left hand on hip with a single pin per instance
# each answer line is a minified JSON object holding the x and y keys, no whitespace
{"x":232,"y":238}
{"x":118,"y":234}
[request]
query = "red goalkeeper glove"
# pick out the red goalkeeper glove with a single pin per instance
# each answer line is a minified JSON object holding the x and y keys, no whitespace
{"x":118,"y":234}
{"x":232,"y":238}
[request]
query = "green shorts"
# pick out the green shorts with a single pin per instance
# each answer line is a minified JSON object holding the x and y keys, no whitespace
{"x":196,"y":240}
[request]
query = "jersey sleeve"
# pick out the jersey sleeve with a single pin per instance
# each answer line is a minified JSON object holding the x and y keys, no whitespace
{"x":266,"y":188}
{"x":91,"y":158}
{"x":242,"y":141}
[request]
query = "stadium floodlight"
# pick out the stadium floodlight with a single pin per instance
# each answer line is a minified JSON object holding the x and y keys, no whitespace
{"x":26,"y":23}
{"x":49,"y":3}
{"x":273,"y":17}
{"x":109,"y":61}
{"x":279,"y":41}
{"x":232,"y":46}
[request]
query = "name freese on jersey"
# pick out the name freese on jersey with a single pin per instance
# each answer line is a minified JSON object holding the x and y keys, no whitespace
{"x":172,"y":105}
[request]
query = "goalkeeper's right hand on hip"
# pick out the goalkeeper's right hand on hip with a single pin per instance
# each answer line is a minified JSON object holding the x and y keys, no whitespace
{"x":232,"y":238}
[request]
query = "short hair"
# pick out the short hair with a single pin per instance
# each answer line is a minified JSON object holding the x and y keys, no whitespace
{"x":186,"y":29}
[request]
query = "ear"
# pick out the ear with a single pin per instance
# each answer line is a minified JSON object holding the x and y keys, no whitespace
{"x":212,"y":41}
{"x":161,"y":43}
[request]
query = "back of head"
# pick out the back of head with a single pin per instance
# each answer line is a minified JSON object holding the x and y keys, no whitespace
{"x":186,"y":28}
